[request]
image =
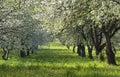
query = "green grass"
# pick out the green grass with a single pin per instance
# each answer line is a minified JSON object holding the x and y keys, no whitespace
{"x":56,"y":61}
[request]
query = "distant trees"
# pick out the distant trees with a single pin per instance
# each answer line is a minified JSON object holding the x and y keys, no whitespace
{"x":90,"y":22}
{"x":20,"y":29}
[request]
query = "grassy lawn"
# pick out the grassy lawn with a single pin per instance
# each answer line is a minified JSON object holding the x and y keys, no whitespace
{"x":56,"y":61}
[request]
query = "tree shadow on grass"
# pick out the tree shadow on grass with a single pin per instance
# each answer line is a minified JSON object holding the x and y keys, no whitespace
{"x":55,"y":71}
{"x":55,"y":56}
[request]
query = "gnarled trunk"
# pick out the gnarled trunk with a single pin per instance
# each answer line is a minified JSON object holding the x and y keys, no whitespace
{"x":99,"y":49}
{"x":79,"y":49}
{"x":90,"y":51}
{"x":22,"y":53}
{"x":28,"y":52}
{"x":5,"y":54}
{"x":83,"y":50}
{"x":32,"y":50}
{"x":74,"y":48}
{"x":68,"y":47}
{"x":109,"y":52}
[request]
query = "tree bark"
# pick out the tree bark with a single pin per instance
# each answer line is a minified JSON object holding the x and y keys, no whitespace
{"x":97,"y":35}
{"x":83,"y":50}
{"x":28,"y":52}
{"x":102,"y":58}
{"x":68,"y":46}
{"x":79,"y":49}
{"x":90,"y":51}
{"x":32,"y":51}
{"x":109,"y":52}
{"x":5,"y":54}
{"x":74,"y":48}
{"x":22,"y":53}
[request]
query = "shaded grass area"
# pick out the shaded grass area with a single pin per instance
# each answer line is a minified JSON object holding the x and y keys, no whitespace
{"x":56,"y":62}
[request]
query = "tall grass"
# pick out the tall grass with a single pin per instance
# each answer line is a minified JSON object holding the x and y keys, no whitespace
{"x":56,"y":61}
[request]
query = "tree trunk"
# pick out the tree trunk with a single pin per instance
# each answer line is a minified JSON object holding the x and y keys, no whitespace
{"x":79,"y":49}
{"x":68,"y":47}
{"x":74,"y":49}
{"x":98,"y":51}
{"x":32,"y":50}
{"x":36,"y":47}
{"x":5,"y":54}
{"x":90,"y":51}
{"x":109,"y":52}
{"x":28,"y":52}
{"x":97,"y":36}
{"x":101,"y":57}
{"x":83,"y":50}
{"x":22,"y":53}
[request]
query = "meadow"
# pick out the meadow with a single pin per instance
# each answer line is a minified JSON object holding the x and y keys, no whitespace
{"x":56,"y":60}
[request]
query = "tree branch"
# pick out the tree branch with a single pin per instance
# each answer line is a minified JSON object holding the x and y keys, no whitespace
{"x":117,"y":29}
{"x":117,"y":1}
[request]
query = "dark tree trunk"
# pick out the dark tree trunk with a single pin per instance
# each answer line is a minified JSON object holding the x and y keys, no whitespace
{"x":32,"y":50}
{"x":97,"y":36}
{"x":114,"y":50}
{"x":109,"y":52}
{"x":74,"y":49}
{"x":22,"y":53}
{"x":68,"y":47}
{"x":90,"y":51}
{"x":36,"y":47}
{"x":83,"y":50}
{"x":98,"y":51}
{"x":5,"y":54}
{"x":102,"y":57}
{"x":79,"y":49}
{"x":28,"y":52}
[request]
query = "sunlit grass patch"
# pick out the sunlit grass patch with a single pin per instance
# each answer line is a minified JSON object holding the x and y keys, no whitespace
{"x":56,"y":61}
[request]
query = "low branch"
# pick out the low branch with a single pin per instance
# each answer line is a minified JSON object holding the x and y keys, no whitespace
{"x":117,"y":1}
{"x":117,"y":29}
